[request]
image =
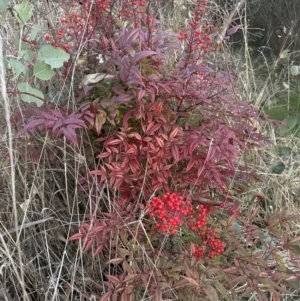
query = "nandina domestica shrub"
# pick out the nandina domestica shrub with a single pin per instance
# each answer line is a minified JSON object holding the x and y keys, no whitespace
{"x":168,"y":132}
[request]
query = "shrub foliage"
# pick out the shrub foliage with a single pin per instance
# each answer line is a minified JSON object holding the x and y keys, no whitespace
{"x":167,"y":134}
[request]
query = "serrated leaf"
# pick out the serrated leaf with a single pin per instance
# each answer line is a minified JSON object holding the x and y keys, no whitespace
{"x":18,"y":67}
{"x":290,"y":123}
{"x":42,"y":70}
{"x":284,"y":53}
{"x":34,"y":30}
{"x":25,"y":87}
{"x":3,"y":5}
{"x":278,"y":168}
{"x":278,"y":113}
{"x":23,"y":12}
{"x":53,"y":56}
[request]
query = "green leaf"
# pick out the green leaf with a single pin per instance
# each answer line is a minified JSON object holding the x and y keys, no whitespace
{"x":278,"y":168}
{"x":53,"y":56}
{"x":27,"y":55}
{"x":20,"y":45}
{"x":34,"y":30}
{"x":18,"y":67}
{"x":294,"y":70}
{"x":294,"y":284}
{"x":6,"y":63}
{"x":284,"y":53}
{"x":222,"y":290}
{"x":42,"y":71}
{"x":278,"y":113}
{"x":281,"y":151}
{"x":290,"y":123}
{"x":3,"y":5}
{"x":290,"y":172}
{"x":237,"y":227}
{"x":294,"y":248}
{"x":25,"y":87}
{"x":23,"y":12}
{"x":211,"y":293}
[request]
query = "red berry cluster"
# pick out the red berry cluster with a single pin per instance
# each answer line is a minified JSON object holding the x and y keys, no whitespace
{"x":212,"y":242}
{"x":169,"y":211}
{"x":198,"y":36}
{"x":199,"y":252}
{"x":172,"y":211}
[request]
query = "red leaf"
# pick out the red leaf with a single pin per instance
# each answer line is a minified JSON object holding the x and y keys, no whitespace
{"x":47,"y":116}
{"x":98,"y":250}
{"x":112,"y":182}
{"x":130,"y":35}
{"x":106,"y":296}
{"x":211,"y":152}
{"x":56,"y":113}
{"x":174,"y":133}
{"x":70,"y":135}
{"x":239,"y":279}
{"x":98,"y":172}
{"x":103,"y":155}
{"x":192,"y":147}
{"x":114,"y":261}
{"x":33,"y":124}
{"x":140,"y":94}
{"x":160,"y":141}
{"x":233,"y":30}
{"x":142,"y":54}
{"x":75,"y":236}
{"x":118,"y":182}
{"x":49,"y":125}
{"x":113,"y":279}
{"x":75,"y":120}
{"x":191,"y":281}
{"x":154,"y":128}
{"x":113,"y":142}
{"x":124,"y":98}
{"x":174,"y":150}
{"x":88,"y":245}
{"x":158,"y":294}
{"x":99,"y":121}
{"x":190,"y":165}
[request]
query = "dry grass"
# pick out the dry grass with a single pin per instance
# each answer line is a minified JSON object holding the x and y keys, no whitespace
{"x":41,"y":204}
